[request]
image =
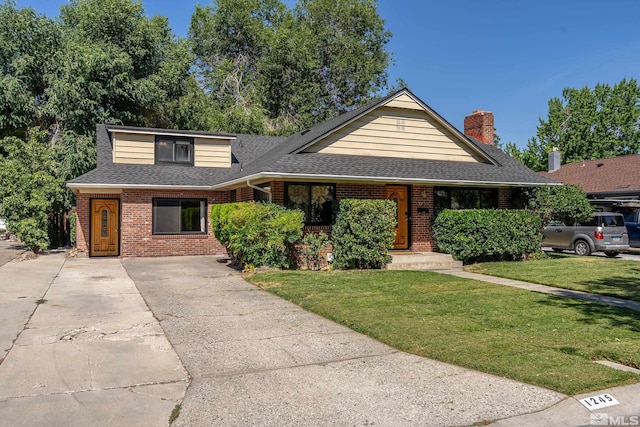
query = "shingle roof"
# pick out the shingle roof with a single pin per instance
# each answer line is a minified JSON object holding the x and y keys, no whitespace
{"x":259,"y":155}
{"x":613,"y":175}
{"x":245,"y":148}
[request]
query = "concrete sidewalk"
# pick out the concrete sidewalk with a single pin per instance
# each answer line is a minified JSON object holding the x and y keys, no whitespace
{"x":91,"y":354}
{"x":256,"y":359}
{"x":567,"y":293}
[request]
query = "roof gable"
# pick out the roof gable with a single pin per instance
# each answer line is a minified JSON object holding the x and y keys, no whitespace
{"x":403,"y":127}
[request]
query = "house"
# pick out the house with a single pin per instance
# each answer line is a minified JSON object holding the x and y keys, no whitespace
{"x":151,"y":191}
{"x":610,"y":184}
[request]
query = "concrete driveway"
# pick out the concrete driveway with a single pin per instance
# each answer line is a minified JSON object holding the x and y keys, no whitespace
{"x":81,"y":348}
{"x":256,"y":359}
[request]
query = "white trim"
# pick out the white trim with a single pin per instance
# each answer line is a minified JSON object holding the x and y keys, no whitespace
{"x":311,"y":177}
{"x":381,"y":179}
{"x":169,"y":133}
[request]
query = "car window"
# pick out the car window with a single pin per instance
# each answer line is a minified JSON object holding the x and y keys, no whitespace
{"x":630,"y":216}
{"x":612,"y":220}
{"x":592,"y":222}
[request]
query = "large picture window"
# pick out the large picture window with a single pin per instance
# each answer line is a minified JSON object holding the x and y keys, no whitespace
{"x":465,"y":198}
{"x":174,"y":150}
{"x":179,"y":216}
{"x":315,"y":200}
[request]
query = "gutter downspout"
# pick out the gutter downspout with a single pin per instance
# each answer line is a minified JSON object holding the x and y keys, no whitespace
{"x":264,"y":190}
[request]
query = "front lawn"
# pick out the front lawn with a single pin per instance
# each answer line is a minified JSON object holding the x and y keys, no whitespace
{"x":527,"y":336}
{"x":613,"y":277}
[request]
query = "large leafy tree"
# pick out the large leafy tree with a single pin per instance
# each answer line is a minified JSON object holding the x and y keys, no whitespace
{"x":30,"y":188}
{"x":565,"y":203}
{"x":28,"y":41}
{"x":587,"y":124}
{"x":101,"y":60}
{"x":268,"y":68}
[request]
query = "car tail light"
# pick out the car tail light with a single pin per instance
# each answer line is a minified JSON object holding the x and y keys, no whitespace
{"x":598,"y":235}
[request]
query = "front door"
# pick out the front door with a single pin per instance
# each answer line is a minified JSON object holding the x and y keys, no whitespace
{"x":399,"y":195}
{"x":104,"y":227}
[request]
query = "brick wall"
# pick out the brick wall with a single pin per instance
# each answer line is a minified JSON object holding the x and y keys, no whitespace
{"x":422,"y":237}
{"x":360,"y":191}
{"x":505,"y":198}
{"x":136,"y":216}
{"x":83,"y":208}
{"x":136,"y":235}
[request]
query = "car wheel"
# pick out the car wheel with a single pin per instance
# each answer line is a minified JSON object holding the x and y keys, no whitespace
{"x":612,"y":254}
{"x":582,"y":248}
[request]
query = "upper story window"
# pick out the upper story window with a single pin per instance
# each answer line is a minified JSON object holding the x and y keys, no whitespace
{"x":174,"y":150}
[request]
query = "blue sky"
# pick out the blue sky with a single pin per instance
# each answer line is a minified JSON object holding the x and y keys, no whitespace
{"x":504,"y":56}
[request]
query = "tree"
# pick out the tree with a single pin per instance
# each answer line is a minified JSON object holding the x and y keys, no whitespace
{"x":566,"y":203}
{"x":28,"y":41}
{"x":117,"y":65}
{"x":588,"y":124}
{"x":30,"y":188}
{"x":270,"y":69}
{"x":101,"y":60}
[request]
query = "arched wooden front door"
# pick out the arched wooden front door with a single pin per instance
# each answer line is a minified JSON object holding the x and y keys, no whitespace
{"x":400,"y":196}
{"x":105,"y":219}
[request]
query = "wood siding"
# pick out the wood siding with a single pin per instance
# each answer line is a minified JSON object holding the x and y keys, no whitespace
{"x":133,"y":148}
{"x":404,"y":101}
{"x":397,"y":132}
{"x":138,"y":148}
{"x":212,"y":153}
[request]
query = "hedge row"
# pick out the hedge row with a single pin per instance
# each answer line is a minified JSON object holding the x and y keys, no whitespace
{"x":477,"y":235}
{"x":258,"y":234}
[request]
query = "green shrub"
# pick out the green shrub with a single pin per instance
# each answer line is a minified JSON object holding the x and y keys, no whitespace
{"x":313,"y":244}
{"x":220,"y":217}
{"x":258,"y":234}
{"x":73,"y":227}
{"x":363,"y":233}
{"x":475,"y":235}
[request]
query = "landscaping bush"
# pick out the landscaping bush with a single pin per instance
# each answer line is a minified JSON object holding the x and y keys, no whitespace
{"x":258,"y":234}
{"x":73,"y":220}
{"x":363,"y":233}
{"x":476,"y":235}
{"x":220,"y":218}
{"x":313,"y":244}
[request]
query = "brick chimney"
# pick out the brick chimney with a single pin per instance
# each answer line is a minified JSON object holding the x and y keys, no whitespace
{"x":479,"y":125}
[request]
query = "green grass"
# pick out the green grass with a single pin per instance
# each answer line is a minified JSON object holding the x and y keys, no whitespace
{"x":613,"y":277}
{"x":531,"y":337}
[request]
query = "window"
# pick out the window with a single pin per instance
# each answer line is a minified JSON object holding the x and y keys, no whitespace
{"x":261,"y":196}
{"x":465,"y":198}
{"x":179,"y":216}
{"x":233,"y":196}
{"x":174,"y":150}
{"x":315,"y":200}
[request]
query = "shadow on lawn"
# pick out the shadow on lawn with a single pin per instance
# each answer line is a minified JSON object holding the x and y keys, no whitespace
{"x":627,"y":287}
{"x":595,"y":312}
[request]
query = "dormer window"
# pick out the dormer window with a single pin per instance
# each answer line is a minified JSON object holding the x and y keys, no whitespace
{"x":174,"y":150}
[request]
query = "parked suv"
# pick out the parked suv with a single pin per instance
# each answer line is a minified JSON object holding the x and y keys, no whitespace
{"x":632,"y":221}
{"x":605,"y":232}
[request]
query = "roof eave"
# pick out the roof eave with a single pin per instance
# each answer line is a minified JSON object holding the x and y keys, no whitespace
{"x":378,"y":179}
{"x":79,"y":186}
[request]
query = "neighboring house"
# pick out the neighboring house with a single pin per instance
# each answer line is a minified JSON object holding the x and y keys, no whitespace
{"x":151,"y":191}
{"x":610,"y":184}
